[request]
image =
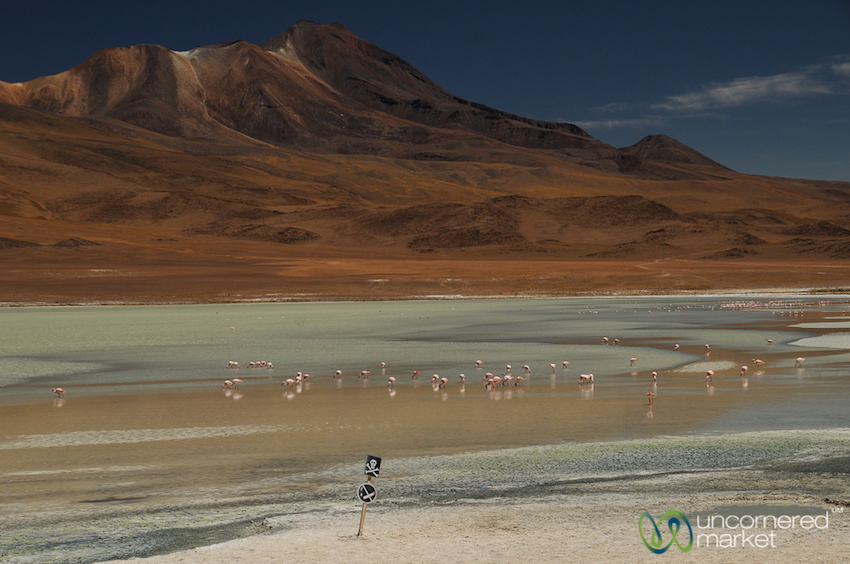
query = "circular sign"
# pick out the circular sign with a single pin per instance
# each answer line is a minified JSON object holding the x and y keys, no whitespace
{"x":367,"y":493}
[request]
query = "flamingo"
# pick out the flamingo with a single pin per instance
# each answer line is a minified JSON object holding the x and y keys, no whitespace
{"x":233,"y":364}
{"x":338,"y":374}
{"x":552,"y":366}
{"x":391,"y":381}
{"x":799,"y":362}
{"x":519,"y":380}
{"x":236,"y":382}
{"x":604,"y":340}
{"x":708,"y":375}
{"x":758,"y":361}
{"x":478,"y":363}
{"x":443,"y":382}
{"x":508,"y":366}
{"x":650,"y":396}
{"x":415,"y":375}
{"x":616,"y":341}
{"x":289,"y":382}
{"x":769,"y":341}
{"x":227,"y":384}
{"x":633,"y":360}
{"x":435,"y":378}
{"x":565,"y":364}
{"x":585,"y":378}
{"x":707,"y":349}
{"x":676,"y":347}
{"x":654,"y":376}
{"x":527,"y":368}
{"x":364,"y":374}
{"x":59,"y":392}
{"x":744,"y":370}
{"x":463,"y":378}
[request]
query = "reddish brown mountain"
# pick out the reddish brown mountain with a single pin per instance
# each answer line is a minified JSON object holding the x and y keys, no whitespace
{"x":320,"y":140}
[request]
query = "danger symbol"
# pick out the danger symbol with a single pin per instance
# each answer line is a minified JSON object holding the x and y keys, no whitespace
{"x":373,"y":466}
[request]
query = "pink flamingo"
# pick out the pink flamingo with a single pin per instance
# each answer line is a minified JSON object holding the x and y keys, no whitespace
{"x":463,"y":378}
{"x":59,"y":392}
{"x":676,"y":347}
{"x":227,"y":384}
{"x":289,"y":382}
{"x":443,"y":382}
{"x":654,"y":376}
{"x":519,"y":380}
{"x":391,"y":381}
{"x":527,"y":368}
{"x":364,"y":374}
{"x":435,"y":378}
{"x":478,"y":363}
{"x":233,"y":364}
{"x":744,"y":370}
{"x":604,"y":340}
{"x":415,"y":375}
{"x":633,"y":360}
{"x":769,"y":341}
{"x":650,"y":396}
{"x":799,"y":362}
{"x":708,"y":375}
{"x":338,"y":374}
{"x":759,"y":362}
{"x":585,"y":378}
{"x":552,"y":366}
{"x":565,"y":364}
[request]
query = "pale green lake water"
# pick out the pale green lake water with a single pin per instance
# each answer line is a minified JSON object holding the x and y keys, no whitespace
{"x":145,"y":426}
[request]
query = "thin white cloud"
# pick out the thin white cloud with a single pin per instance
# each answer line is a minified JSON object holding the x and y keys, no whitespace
{"x":742,"y":91}
{"x":716,"y":100}
{"x":841,"y":69}
{"x":618,"y":123}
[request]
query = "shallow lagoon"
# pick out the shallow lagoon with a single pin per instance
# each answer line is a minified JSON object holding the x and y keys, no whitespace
{"x":145,"y":426}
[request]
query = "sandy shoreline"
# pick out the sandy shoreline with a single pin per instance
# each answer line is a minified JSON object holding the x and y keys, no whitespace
{"x":556,"y":503}
{"x":831,"y":292}
{"x":593,"y":519}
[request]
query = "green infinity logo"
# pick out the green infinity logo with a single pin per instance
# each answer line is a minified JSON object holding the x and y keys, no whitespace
{"x":674,"y":525}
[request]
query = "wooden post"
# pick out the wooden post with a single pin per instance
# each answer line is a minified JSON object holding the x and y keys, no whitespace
{"x":363,"y":513}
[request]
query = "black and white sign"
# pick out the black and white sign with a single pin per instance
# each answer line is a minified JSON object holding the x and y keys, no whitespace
{"x":373,"y":466}
{"x":367,"y":493}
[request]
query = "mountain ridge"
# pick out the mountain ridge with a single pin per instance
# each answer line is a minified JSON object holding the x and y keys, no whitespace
{"x":320,"y":140}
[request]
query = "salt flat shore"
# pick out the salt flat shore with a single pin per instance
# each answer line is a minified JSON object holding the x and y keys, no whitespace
{"x":571,"y":502}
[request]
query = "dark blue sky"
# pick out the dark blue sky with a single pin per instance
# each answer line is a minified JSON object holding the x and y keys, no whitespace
{"x":760,"y":86}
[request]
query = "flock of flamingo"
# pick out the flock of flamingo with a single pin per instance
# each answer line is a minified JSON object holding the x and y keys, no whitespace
{"x":492,"y":381}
